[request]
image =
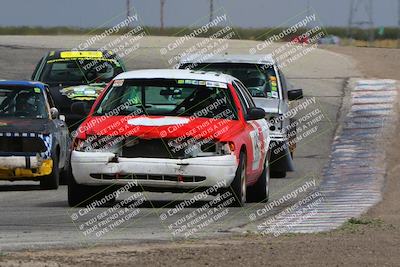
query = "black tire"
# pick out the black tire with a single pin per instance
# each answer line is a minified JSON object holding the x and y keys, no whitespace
{"x":277,"y":174}
{"x":52,"y":180}
{"x":259,"y":192}
{"x":238,"y":185}
{"x":292,"y":132}
{"x":65,"y":174}
{"x":83,"y":195}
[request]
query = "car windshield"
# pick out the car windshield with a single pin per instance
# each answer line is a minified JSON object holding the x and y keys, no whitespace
{"x":165,"y":97}
{"x":261,"y":83}
{"x":22,"y":102}
{"x":79,"y":71}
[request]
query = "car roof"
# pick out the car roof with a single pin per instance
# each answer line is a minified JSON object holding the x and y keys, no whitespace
{"x":22,"y":83}
{"x":229,"y":58}
{"x":176,"y":74}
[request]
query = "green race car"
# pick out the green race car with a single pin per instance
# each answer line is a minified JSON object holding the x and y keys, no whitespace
{"x":76,"y":76}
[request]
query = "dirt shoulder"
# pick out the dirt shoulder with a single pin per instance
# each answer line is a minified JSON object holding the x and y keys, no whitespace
{"x":373,"y":239}
{"x":383,"y":63}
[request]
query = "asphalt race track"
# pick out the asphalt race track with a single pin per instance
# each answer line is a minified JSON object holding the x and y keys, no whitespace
{"x":32,"y":218}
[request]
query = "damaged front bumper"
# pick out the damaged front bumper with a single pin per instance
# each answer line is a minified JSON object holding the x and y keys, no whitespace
{"x":101,"y":168}
{"x":24,"y":167}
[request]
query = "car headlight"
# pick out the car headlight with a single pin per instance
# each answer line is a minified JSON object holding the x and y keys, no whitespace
{"x":98,"y":144}
{"x":204,"y":148}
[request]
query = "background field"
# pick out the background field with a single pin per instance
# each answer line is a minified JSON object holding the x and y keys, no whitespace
{"x":388,"y":39}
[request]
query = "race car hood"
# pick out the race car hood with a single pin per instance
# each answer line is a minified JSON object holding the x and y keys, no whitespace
{"x":40,"y":126}
{"x":269,"y":105}
{"x":153,"y":127}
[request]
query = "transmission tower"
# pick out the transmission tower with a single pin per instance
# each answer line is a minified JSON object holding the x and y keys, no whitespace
{"x":364,"y":9}
{"x":162,"y":4}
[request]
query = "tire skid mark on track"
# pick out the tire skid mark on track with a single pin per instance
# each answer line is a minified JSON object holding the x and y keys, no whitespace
{"x":354,"y":177}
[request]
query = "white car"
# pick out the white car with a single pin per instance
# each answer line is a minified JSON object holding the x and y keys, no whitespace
{"x":269,"y":89}
{"x":174,"y":131}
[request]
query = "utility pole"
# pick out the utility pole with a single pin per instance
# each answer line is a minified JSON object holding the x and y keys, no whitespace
{"x":367,"y":19}
{"x":162,"y":4}
{"x":309,"y":10}
{"x":211,"y":10}
{"x":128,"y":10}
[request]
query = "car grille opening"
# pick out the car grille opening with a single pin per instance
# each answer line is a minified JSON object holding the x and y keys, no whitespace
{"x":154,"y":148}
{"x":136,"y":147}
{"x":150,"y":177}
{"x":22,"y":144}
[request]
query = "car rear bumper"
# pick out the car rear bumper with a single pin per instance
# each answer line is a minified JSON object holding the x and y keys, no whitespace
{"x":99,"y":168}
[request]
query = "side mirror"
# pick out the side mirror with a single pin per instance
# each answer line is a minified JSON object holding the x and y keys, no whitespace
{"x":295,"y":94}
{"x":80,"y":108}
{"x":255,"y":114}
{"x":54,"y":113}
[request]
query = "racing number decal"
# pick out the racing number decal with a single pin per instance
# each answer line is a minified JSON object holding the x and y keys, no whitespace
{"x":259,"y":142}
{"x":256,"y":145}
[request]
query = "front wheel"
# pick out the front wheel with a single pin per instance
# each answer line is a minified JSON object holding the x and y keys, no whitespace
{"x":82,"y":195}
{"x":238,"y":185}
{"x":259,"y":192}
{"x":52,"y":180}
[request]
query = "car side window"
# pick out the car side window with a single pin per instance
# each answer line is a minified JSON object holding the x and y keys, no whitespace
{"x":242,"y":100}
{"x":246,"y":94}
{"x":49,"y":99}
{"x":34,"y":74}
{"x":283,"y":85}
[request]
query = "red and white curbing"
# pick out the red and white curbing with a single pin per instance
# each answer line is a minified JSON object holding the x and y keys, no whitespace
{"x":354,"y":176}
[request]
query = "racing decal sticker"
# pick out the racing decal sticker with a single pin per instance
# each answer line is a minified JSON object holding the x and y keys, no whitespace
{"x":216,"y":84}
{"x":82,"y":92}
{"x":256,"y":145}
{"x":164,"y":121}
{"x":118,"y":83}
{"x":48,"y":142}
{"x":80,"y":54}
{"x":203,"y":83}
{"x":260,"y":142}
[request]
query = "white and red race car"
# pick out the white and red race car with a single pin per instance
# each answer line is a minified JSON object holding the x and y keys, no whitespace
{"x":172,"y":131}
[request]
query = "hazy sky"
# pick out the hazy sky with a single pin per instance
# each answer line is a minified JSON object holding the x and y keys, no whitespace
{"x":244,"y":13}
